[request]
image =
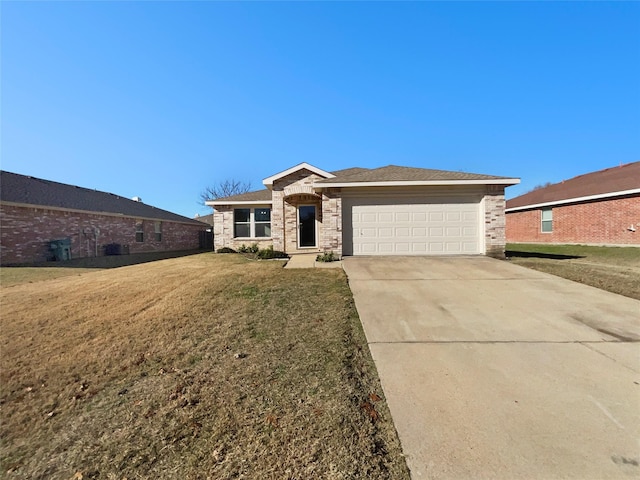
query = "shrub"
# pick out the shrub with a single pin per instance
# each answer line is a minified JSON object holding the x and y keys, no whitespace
{"x":226,"y":250}
{"x":327,"y":257}
{"x":269,"y":252}
{"x":250,"y":249}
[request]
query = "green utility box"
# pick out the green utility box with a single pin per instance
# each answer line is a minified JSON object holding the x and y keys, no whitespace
{"x":61,"y":249}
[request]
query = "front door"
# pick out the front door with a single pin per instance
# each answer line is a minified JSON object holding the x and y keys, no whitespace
{"x":307,"y":225}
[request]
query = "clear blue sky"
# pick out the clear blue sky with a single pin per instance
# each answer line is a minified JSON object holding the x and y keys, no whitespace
{"x":159,"y":100}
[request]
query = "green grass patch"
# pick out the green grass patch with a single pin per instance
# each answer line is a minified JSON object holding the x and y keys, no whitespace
{"x":615,"y":255}
{"x":615,"y":269}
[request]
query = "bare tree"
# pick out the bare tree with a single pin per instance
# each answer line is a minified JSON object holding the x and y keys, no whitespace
{"x":223,"y":189}
{"x":538,"y":187}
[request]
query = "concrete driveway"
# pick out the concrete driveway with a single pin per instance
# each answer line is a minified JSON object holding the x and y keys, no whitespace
{"x":492,"y":370}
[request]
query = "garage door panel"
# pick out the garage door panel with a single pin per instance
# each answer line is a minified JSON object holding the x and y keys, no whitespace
{"x":436,"y":247}
{"x":434,"y":227}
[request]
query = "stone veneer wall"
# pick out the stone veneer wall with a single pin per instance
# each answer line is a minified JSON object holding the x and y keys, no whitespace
{"x":494,"y":221}
{"x":286,"y":213}
{"x":26,"y":233}
{"x":331,"y":231}
{"x":223,"y":231}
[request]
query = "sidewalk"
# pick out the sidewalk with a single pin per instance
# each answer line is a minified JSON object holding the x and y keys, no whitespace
{"x":308,"y":260}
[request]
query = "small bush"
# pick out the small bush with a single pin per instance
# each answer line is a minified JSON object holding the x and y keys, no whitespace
{"x":327,"y":257}
{"x":250,"y":249}
{"x":226,"y":250}
{"x":269,"y":252}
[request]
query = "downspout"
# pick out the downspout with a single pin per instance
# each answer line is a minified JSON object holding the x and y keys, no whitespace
{"x":96,"y":230}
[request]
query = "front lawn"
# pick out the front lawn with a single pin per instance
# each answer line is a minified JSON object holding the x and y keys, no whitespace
{"x":207,"y":366}
{"x":615,"y":269}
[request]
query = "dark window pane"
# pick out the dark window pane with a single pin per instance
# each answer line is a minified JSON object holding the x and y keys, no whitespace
{"x":241,"y":214}
{"x":241,"y":230}
{"x":262,"y":215}
{"x":263,"y":229}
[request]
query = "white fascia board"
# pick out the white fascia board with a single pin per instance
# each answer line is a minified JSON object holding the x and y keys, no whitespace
{"x":575,"y":200}
{"x":414,"y":183}
{"x":213,"y":203}
{"x":304,"y":165}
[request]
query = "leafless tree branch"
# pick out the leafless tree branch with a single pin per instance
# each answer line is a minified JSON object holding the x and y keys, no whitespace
{"x":223,"y":189}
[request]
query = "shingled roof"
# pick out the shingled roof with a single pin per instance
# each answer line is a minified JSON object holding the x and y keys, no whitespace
{"x":376,"y":176}
{"x":607,"y":182}
{"x":255,"y":196}
{"x":394,"y":173}
{"x":25,"y":190}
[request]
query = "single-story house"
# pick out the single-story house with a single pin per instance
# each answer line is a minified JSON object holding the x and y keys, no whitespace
{"x":41,"y":220}
{"x":598,"y":208}
{"x":359,"y":211}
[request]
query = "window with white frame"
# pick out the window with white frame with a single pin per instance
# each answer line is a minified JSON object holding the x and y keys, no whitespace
{"x":252,"y":222}
{"x":139,"y":231}
{"x":547,"y":220}
{"x":158,"y":231}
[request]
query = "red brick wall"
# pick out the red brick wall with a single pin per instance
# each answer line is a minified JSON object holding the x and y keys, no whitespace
{"x":25,"y":233}
{"x":598,"y":222}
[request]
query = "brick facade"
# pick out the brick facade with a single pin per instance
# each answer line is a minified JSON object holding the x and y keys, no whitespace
{"x":597,"y":222}
{"x":26,"y":233}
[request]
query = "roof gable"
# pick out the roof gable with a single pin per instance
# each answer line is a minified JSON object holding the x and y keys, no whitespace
{"x":268,"y":182}
{"x":600,"y":184}
{"x":26,"y":190}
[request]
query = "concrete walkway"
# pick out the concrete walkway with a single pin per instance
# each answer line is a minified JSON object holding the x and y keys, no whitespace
{"x":308,"y":260}
{"x":492,"y":370}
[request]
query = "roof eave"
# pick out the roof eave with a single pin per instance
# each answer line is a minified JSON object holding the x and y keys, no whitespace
{"x":213,"y":203}
{"x":574,"y":200}
{"x":417,"y":183}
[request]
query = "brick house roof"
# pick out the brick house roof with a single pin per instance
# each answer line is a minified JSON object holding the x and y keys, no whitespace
{"x":263,"y":195}
{"x":208,"y":219}
{"x":608,"y":181}
{"x":393,"y":173}
{"x":26,"y":190}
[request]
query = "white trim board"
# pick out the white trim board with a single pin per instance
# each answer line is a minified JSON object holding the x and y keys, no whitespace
{"x":574,"y":200}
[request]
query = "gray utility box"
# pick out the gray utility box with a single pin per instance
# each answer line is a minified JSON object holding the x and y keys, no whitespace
{"x":61,"y":249}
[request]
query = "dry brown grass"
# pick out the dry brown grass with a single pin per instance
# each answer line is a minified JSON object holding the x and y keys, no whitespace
{"x":615,"y":269}
{"x":10,"y":276}
{"x":132,"y":372}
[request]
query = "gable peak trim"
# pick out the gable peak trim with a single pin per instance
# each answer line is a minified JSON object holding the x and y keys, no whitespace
{"x":268,"y":182}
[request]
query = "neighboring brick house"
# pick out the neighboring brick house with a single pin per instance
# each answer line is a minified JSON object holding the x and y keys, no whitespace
{"x":383,"y":211}
{"x":601,"y":208}
{"x":36,"y":212}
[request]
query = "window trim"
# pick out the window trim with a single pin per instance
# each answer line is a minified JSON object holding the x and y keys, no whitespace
{"x":252,"y":221}
{"x":157,"y":226}
{"x":140,"y":231}
{"x":546,"y":221}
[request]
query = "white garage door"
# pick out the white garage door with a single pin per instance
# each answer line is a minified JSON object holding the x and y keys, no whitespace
{"x":427,"y":227}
